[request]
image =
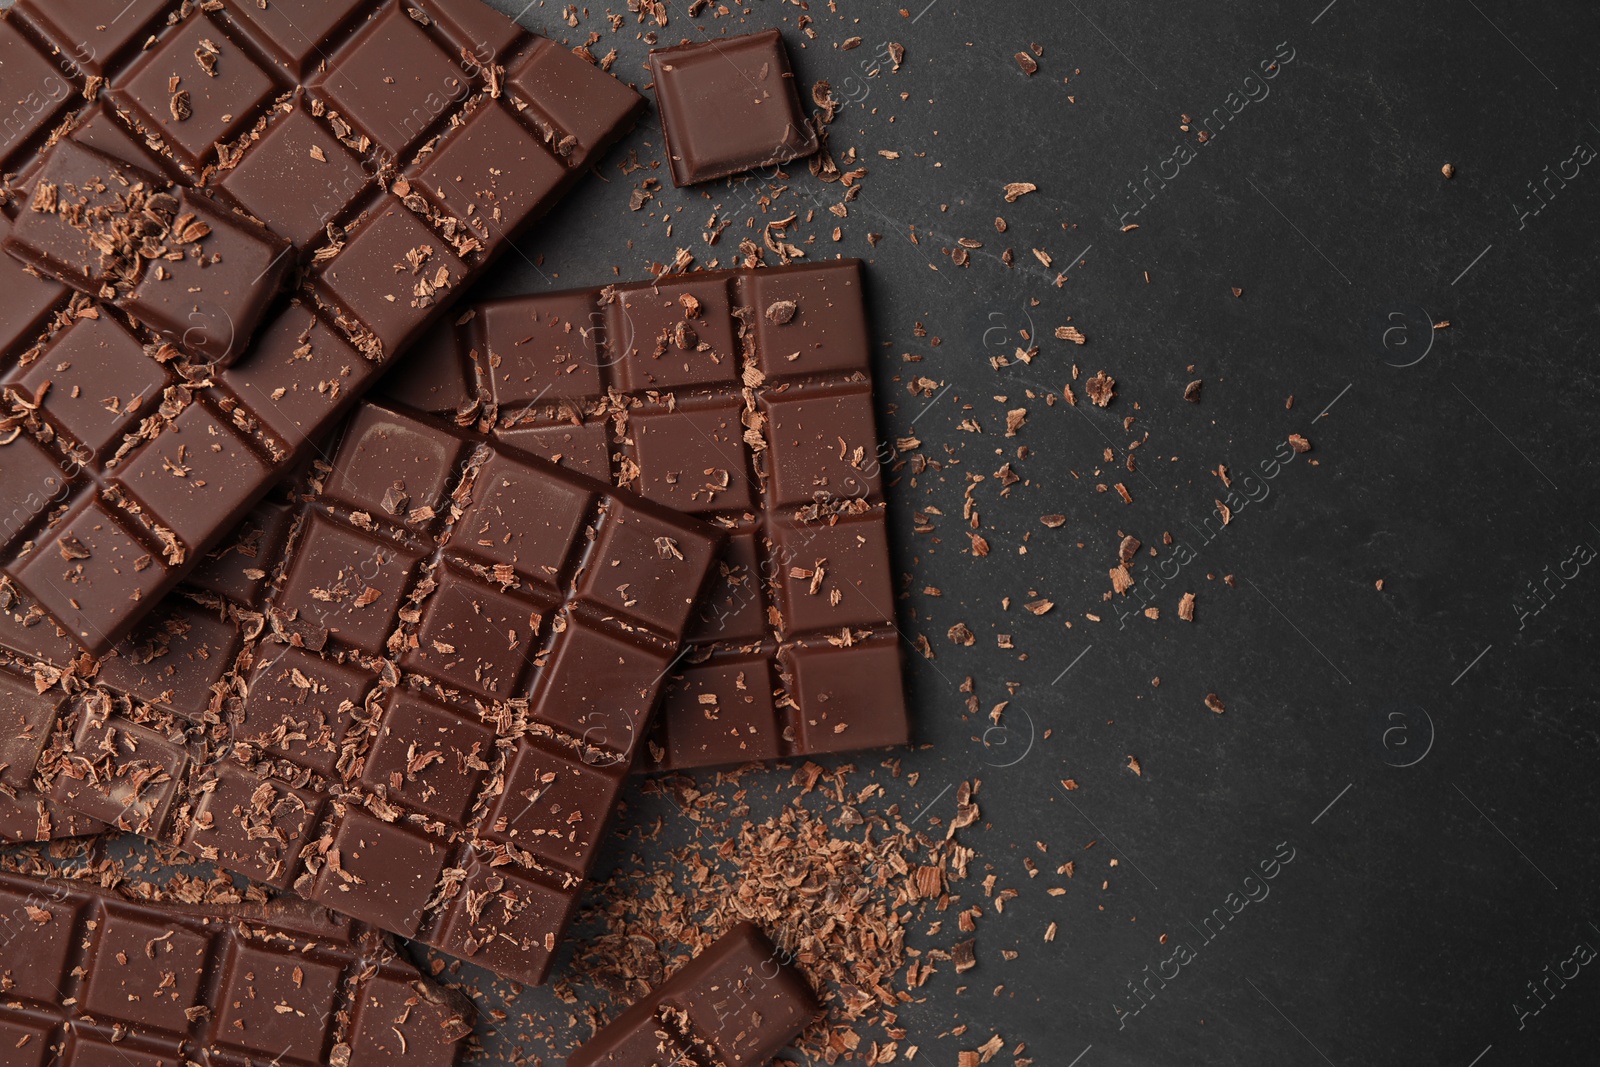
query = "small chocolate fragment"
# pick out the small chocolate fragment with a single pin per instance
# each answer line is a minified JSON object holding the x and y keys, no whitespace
{"x":738,"y":1004}
{"x":729,"y":105}
{"x":91,"y":977}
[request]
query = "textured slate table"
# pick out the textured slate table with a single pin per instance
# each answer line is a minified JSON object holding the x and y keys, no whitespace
{"x":1425,"y":752}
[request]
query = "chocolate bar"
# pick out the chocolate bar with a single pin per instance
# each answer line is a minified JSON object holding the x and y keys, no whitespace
{"x":729,"y":105}
{"x":411,"y":691}
{"x":745,"y":398}
{"x":175,"y":163}
{"x":737,"y":1004}
{"x":88,"y":977}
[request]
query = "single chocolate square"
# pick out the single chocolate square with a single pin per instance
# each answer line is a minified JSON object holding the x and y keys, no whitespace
{"x":729,"y":105}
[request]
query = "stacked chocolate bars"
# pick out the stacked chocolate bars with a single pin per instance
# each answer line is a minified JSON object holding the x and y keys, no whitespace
{"x":394,"y":656}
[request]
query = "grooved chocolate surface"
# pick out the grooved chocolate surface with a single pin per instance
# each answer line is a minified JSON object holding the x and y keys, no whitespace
{"x":176,"y":165}
{"x":737,"y":1004}
{"x":742,"y":397}
{"x":88,"y":977}
{"x":411,"y":689}
{"x":729,"y":105}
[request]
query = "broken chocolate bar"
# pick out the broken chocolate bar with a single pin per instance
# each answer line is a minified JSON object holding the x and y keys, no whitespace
{"x":160,"y":157}
{"x":412,"y":690}
{"x":88,"y":977}
{"x":729,"y":105}
{"x":167,"y":256}
{"x":737,"y":1004}
{"x":745,"y":398}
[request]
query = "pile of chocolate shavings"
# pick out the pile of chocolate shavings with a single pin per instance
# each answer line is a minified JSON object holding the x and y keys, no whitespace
{"x":837,"y":883}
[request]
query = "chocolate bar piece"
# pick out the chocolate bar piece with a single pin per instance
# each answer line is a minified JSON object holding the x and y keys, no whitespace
{"x":743,"y":397}
{"x":88,"y":977}
{"x":26,"y":718}
{"x":167,"y":256}
{"x":737,"y":1004}
{"x":729,"y":105}
{"x":411,"y":691}
{"x":161,"y":157}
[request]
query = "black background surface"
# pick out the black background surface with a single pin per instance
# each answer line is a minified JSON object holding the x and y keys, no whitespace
{"x":1453,"y":464}
{"x":1424,"y":751}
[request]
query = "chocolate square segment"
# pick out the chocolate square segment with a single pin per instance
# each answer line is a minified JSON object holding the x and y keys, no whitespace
{"x":26,"y":718}
{"x":428,"y":757}
{"x":346,"y":584}
{"x":175,"y":658}
{"x":395,"y":84}
{"x":395,"y":467}
{"x":551,"y":805}
{"x":143,"y":973}
{"x":31,"y":482}
{"x":679,"y":332}
{"x":298,"y":178}
{"x":559,"y":88}
{"x":504,"y":920}
{"x":475,"y":636}
{"x":295,"y":29}
{"x":738,"y":1003}
{"x":90,"y":33}
{"x":32,"y":89}
{"x":521,"y":517}
{"x":300,"y":706}
{"x":729,"y":105}
{"x":379,"y":872}
{"x":823,"y":447}
{"x":300,"y":376}
{"x":488,"y":177}
{"x":600,"y":689}
{"x":86,"y":569}
{"x":96,"y":382}
{"x":275,"y":1003}
{"x":639,"y":569}
{"x":542,"y":350}
{"x":197,"y":88}
{"x":390,"y":277}
{"x":198,"y":470}
{"x":254,"y":827}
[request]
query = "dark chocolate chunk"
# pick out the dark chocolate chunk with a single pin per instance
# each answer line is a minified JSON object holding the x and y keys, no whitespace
{"x":743,"y":397}
{"x":729,"y":105}
{"x":175,"y":163}
{"x":92,"y":977}
{"x":738,"y":1003}
{"x":426,"y":721}
{"x":171,"y":257}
